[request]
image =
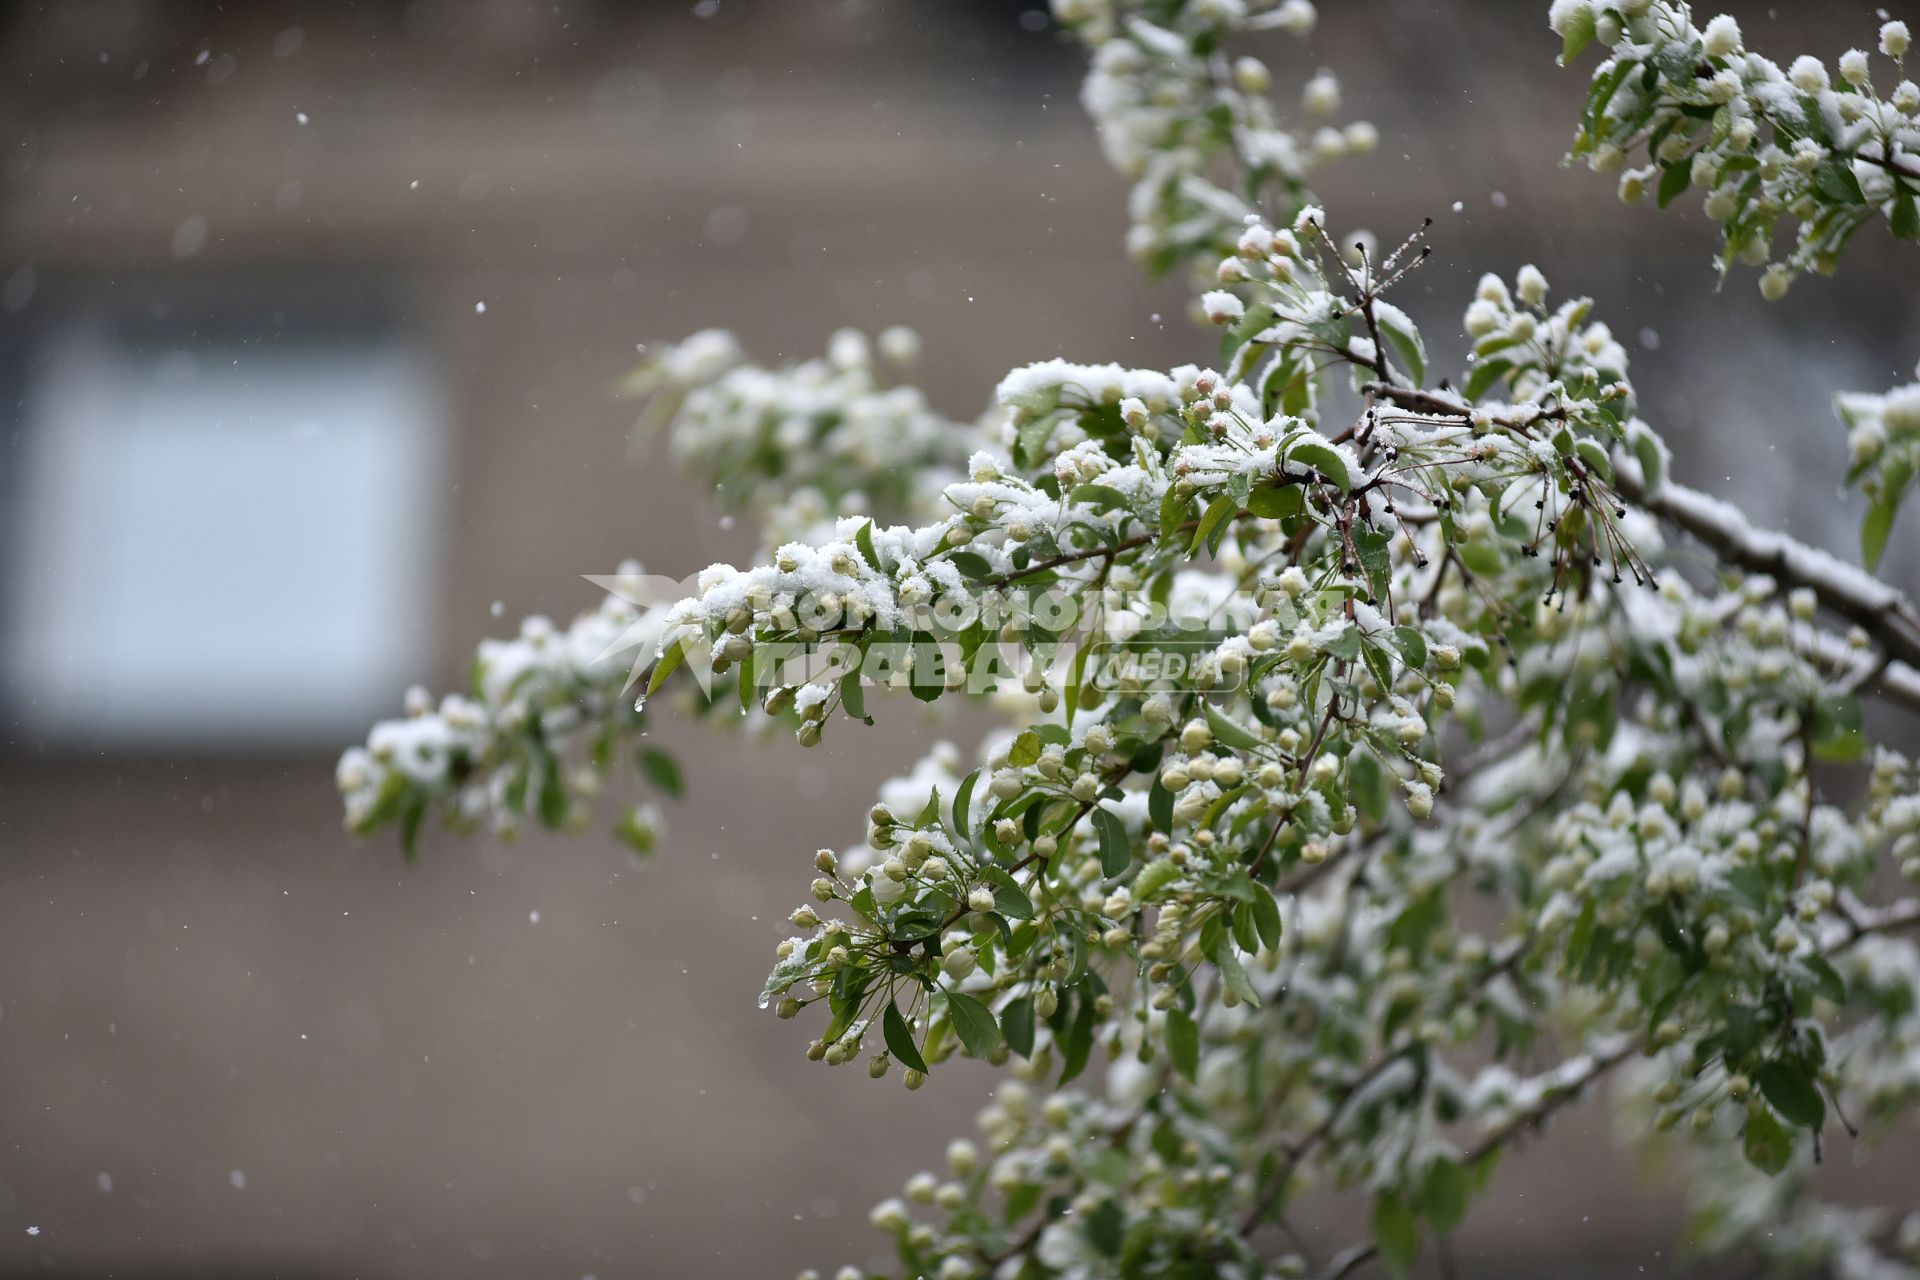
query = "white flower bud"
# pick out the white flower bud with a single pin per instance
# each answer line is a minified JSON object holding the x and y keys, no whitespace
{"x":1221,"y":307}
{"x":981,"y":899}
{"x":1854,"y":69}
{"x":1296,"y":17}
{"x":1564,"y":13}
{"x":1894,"y":39}
{"x":1807,"y":74}
{"x":885,"y":889}
{"x":1321,"y":96}
{"x":899,"y":344}
{"x":1722,"y":37}
{"x":1531,"y":285}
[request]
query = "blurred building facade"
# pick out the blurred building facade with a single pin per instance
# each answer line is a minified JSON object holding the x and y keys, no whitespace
{"x":308,"y":322}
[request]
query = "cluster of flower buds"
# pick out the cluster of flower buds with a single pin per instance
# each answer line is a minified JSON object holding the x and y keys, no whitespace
{"x":1763,"y":142}
{"x":1883,"y":456}
{"x":1356,"y":750}
{"x":544,"y":721}
{"x":804,"y":444}
{"x":1171,"y":104}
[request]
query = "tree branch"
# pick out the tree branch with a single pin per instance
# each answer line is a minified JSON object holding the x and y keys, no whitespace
{"x":1889,"y":619}
{"x":1877,"y":608}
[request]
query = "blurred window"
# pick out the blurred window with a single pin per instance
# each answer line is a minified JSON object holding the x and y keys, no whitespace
{"x":219,"y":543}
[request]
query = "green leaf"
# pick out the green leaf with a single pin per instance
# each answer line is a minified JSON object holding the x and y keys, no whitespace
{"x":670,"y":657}
{"x":1827,"y":980}
{"x":864,"y":541}
{"x":845,"y":1003}
{"x":1154,"y":877}
{"x":1106,"y":1228}
{"x":1789,"y":1086}
{"x":973,"y":1023}
{"x":1266,"y":916}
{"x":1076,"y":1045}
{"x":1173,"y":512}
{"x":410,"y":821}
{"x":639,"y":836}
{"x":1369,"y":784}
{"x":853,"y":695}
{"x":972,"y":564}
{"x":1580,"y":25}
{"x":1009,"y":899}
{"x":1647,"y":450}
{"x":1595,"y":455}
{"x":553,"y":796}
{"x":962,"y":802}
{"x":1412,"y":646}
{"x":1835,"y":181}
{"x":1395,"y":1229}
{"x":1217,"y":510}
{"x":1768,"y":1145}
{"x":899,"y":1037}
{"x":1234,"y":974}
{"x":660,"y":770}
{"x":1183,"y":1042}
{"x":1875,"y":529}
{"x":1258,"y":318}
{"x":1116,"y":851}
{"x":1100,"y":497}
{"x":1905,"y":218}
{"x":1276,"y":502}
{"x":1485,"y":374}
{"x":1160,"y":806}
{"x":1673,"y":180}
{"x":1230,"y":731}
{"x":1025,"y":749}
{"x":1323,"y":458}
{"x":1405,"y":340}
{"x":1443,"y":1194}
{"x":1836,"y":729}
{"x":1345,"y":643}
{"x":789,"y":971}
{"x":1016,"y":1023}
